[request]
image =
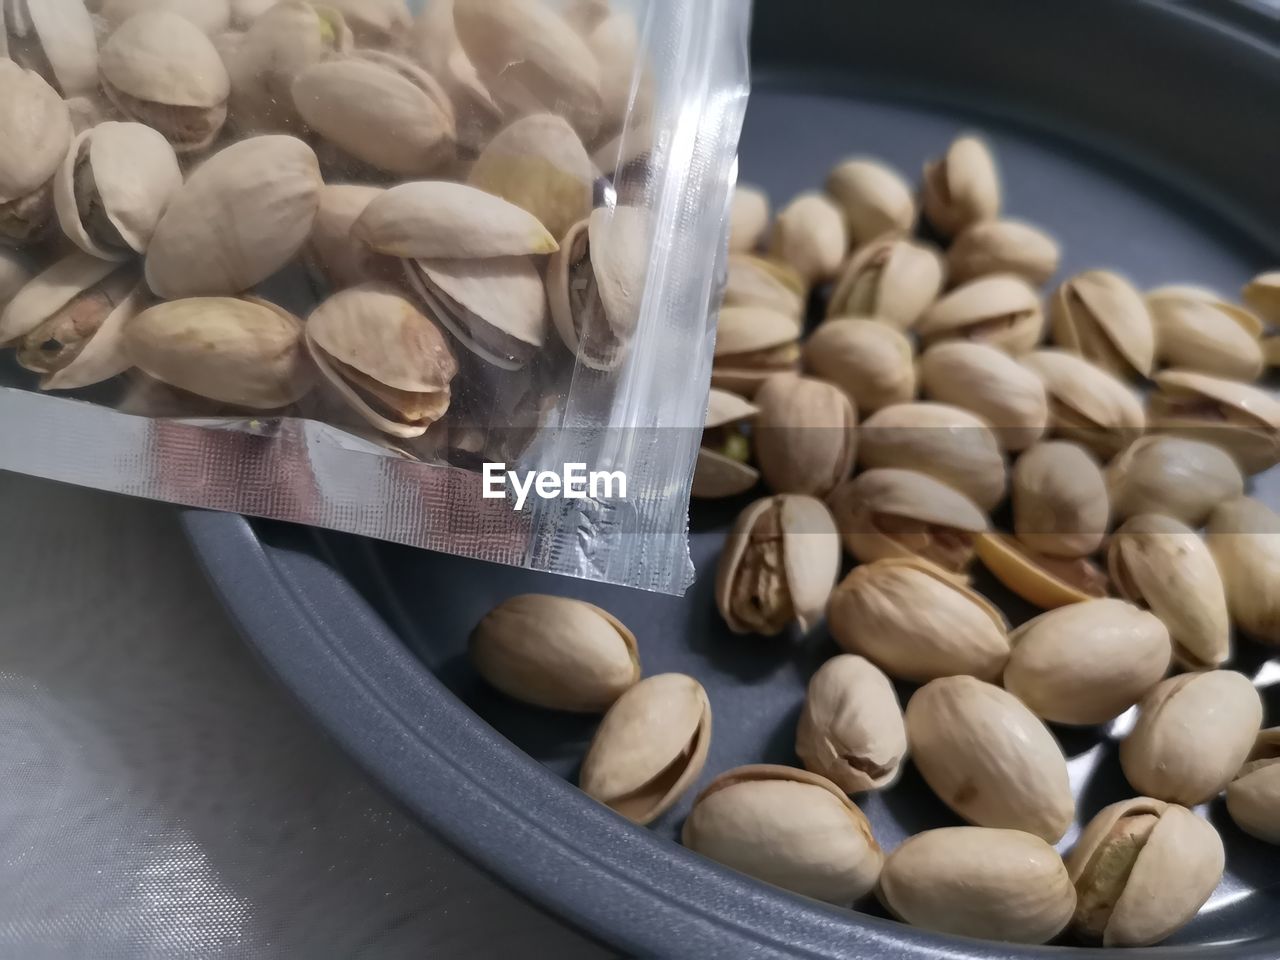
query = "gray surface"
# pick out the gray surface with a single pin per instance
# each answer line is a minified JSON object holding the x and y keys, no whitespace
{"x":161,"y":796}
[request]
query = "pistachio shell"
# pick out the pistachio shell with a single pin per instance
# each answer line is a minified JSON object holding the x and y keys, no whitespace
{"x":1243,"y":535}
{"x":748,"y":218}
{"x":31,"y":114}
{"x":991,"y":384}
{"x":1087,"y":404}
{"x":376,"y":23}
{"x":721,"y":468}
{"x":762,"y":282}
{"x":49,"y":291}
{"x":804,"y":434}
{"x":979,"y":882}
{"x":1261,"y":295}
{"x":989,"y":758}
{"x":788,"y":827}
{"x":778,"y":564}
{"x":809,"y":234}
{"x":55,"y":37}
{"x":211,"y":16}
{"x":1042,"y":580}
{"x":1242,"y":419}
{"x":1002,"y":310}
{"x":724,"y":408}
{"x":650,"y":747}
{"x":1193,"y":733}
{"x":874,"y":198}
{"x":916,"y":622}
{"x":555,"y":652}
{"x":340,"y":259}
{"x":1101,"y":316}
{"x":717,"y":476}
{"x":1198,"y":331}
{"x":1060,"y":502}
{"x":243,"y":352}
{"x":890,"y":279}
{"x":16,"y":271}
{"x":753,"y":343}
{"x":1088,"y":662}
{"x":869,"y":360}
{"x":240,"y":217}
{"x":245,"y":12}
{"x":962,"y":187}
{"x":626,"y":85}
{"x":1253,"y":797}
{"x":851,"y":728}
{"x":1182,"y":478}
{"x":1003,"y":246}
{"x":435,"y":45}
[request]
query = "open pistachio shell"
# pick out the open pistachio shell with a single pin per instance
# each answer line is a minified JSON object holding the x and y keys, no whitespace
{"x":211,"y":16}
{"x":1042,"y":580}
{"x":1242,"y":419}
{"x":1253,"y":797}
{"x":962,"y":187}
{"x":755,"y":281}
{"x":1003,"y":246}
{"x":990,"y":383}
{"x":1087,"y":404}
{"x":1261,"y":295}
{"x":1197,"y":330}
{"x":870,"y":360}
{"x":1001,"y":310}
{"x":35,"y":132}
{"x":50,"y":291}
{"x":722,"y":469}
{"x":1243,"y":535}
{"x":804,"y":434}
{"x":436,"y":47}
{"x":874,"y":198}
{"x":748,"y":218}
{"x":752,"y":344}
{"x":1101,"y":316}
{"x":809,"y":234}
{"x":891,"y":279}
{"x":1182,"y":478}
{"x":55,"y":38}
{"x":340,"y":259}
{"x":1060,"y":502}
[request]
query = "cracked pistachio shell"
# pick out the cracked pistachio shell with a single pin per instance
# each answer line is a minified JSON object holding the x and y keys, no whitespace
{"x":1182,"y":478}
{"x":595,"y":284}
{"x":211,"y":16}
{"x":1261,"y":296}
{"x":248,"y":353}
{"x":649,"y":748}
{"x":804,"y":434}
{"x":55,"y":38}
{"x":113,"y":188}
{"x":376,"y":23}
{"x":1242,"y":419}
{"x":1197,"y":330}
{"x":809,"y":234}
{"x":1253,"y":797}
{"x":241,"y":216}
{"x":851,"y":729}
{"x":752,"y":344}
{"x":1101,"y":316}
{"x":949,"y":444}
{"x":539,"y":164}
{"x":1001,"y":310}
{"x":340,"y":259}
{"x":1142,"y":869}
{"x":436,"y":47}
{"x":788,"y":827}
{"x":778,"y":565}
{"x":387,"y":360}
{"x":989,"y":758}
{"x":917,"y":622}
{"x":1087,"y":663}
{"x":1060,"y":502}
{"x":555,"y":652}
{"x":722,"y":469}
{"x":755,"y":281}
{"x":887,"y":513}
{"x":874,"y":197}
{"x":871,"y":361}
{"x":35,"y":132}
{"x":990,"y":383}
{"x":890,"y":279}
{"x":1244,"y":537}
{"x":1042,"y":580}
{"x":748,"y":218}
{"x":49,"y":291}
{"x":1003,"y":246}
{"x":1087,"y":404}
{"x":962,"y":187}
{"x":1194,"y":732}
{"x":1162,"y":564}
{"x":16,"y":271}
{"x":979,"y":882}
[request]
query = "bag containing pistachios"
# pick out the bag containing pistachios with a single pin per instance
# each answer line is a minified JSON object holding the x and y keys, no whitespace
{"x":438,"y":273}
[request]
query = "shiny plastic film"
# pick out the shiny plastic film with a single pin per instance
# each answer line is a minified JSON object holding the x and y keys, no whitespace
{"x":444,"y":274}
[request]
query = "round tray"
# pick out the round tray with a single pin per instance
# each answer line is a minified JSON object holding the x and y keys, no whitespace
{"x":1137,"y":135}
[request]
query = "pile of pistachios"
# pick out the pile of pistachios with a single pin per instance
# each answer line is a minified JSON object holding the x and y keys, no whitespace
{"x":441,"y":187}
{"x":921,"y":426}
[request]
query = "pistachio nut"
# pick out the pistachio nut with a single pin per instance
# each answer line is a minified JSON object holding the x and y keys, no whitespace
{"x":1001,"y":309}
{"x":1060,"y":503}
{"x":778,"y":565}
{"x":1261,"y":296}
{"x":595,"y":283}
{"x":35,"y":129}
{"x":248,"y":353}
{"x":1194,"y":732}
{"x":160,"y":69}
{"x":1162,"y":564}
{"x":871,"y":361}
{"x":1043,"y":580}
{"x":809,"y":235}
{"x":884,"y":513}
{"x":1087,"y":663}
{"x":388,"y":361}
{"x":338,"y":259}
{"x":555,"y":652}
{"x":752,"y":344}
{"x":211,"y":16}
{"x":723,"y":469}
{"x":979,"y":882}
{"x":1253,"y":797}
{"x":748,"y":218}
{"x":917,"y":622}
{"x":962,"y":187}
{"x":376,"y":23}
{"x":851,"y":728}
{"x":1197,"y":330}
{"x":649,"y":748}
{"x":949,"y":444}
{"x":1003,"y":246}
{"x":804,"y":434}
{"x":1182,"y":478}
{"x":1087,"y":404}
{"x":380,"y":109}
{"x":113,"y":188}
{"x":890,"y":279}
{"x":435,"y":45}
{"x":874,"y":197}
{"x":1142,"y":869}
{"x":241,"y":216}
{"x":1101,"y":316}
{"x":755,"y":281}
{"x":991,"y":384}
{"x":16,"y":271}
{"x":56,"y":39}
{"x":1244,"y":537}
{"x":1242,"y":419}
{"x":788,"y":827}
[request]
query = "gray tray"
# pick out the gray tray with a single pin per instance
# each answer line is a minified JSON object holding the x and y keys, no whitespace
{"x":1144,"y":135}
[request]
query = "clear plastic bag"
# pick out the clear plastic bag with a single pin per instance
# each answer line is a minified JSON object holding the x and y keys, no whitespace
{"x":334,"y":263}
